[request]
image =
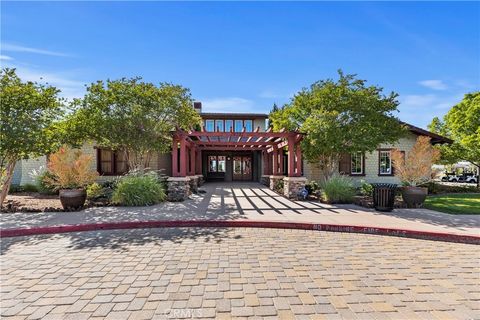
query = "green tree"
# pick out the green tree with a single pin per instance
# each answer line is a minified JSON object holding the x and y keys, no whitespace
{"x":462,"y":125}
{"x":274,"y":109}
{"x":343,"y":116}
{"x":29,"y":115}
{"x":134,"y":116}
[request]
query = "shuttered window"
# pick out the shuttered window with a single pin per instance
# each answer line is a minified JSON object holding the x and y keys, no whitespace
{"x":344,"y":164}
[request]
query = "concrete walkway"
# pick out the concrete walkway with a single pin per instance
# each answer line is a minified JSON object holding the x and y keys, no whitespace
{"x":252,"y":201}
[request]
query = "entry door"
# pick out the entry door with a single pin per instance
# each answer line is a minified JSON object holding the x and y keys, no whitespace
{"x":242,"y":168}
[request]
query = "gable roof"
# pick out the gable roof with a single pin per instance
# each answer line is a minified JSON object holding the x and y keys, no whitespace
{"x":436,"y":138}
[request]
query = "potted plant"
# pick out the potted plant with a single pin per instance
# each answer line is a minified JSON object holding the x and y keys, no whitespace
{"x":414,"y":170}
{"x":71,"y":173}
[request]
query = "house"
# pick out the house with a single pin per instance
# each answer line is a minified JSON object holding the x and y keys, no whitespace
{"x":240,"y":147}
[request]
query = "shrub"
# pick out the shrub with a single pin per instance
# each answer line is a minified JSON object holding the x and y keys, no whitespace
{"x":71,"y":169}
{"x":15,"y":188}
{"x":338,"y":189}
{"x":29,"y":187}
{"x":43,"y":184}
{"x":138,"y":190}
{"x":278,"y":186}
{"x":415,"y":168}
{"x":366,"y":189}
{"x":438,"y":188}
{"x":94,"y":191}
{"x":312,"y":186}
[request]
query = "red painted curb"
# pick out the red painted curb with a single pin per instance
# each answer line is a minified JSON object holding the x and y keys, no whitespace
{"x":438,"y":236}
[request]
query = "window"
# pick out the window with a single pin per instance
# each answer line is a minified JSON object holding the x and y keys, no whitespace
{"x":228,"y":125}
{"x":219,"y":125}
{"x":209,"y":125}
{"x":238,"y":125}
{"x":111,"y":162}
{"x":216,"y":163}
{"x":384,"y":162}
{"x":212,"y":164}
{"x":356,"y":164}
{"x":221,"y":164}
{"x":248,"y":125}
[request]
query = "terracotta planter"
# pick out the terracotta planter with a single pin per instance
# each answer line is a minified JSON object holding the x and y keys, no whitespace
{"x":72,"y":199}
{"x":414,"y":196}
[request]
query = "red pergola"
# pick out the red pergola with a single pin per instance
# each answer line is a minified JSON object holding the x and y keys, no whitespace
{"x":187,"y":161}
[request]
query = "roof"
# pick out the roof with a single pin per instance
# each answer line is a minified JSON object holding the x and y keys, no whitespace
{"x":233,"y":115}
{"x":436,"y":138}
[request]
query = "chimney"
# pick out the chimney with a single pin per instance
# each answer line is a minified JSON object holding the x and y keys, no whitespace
{"x":197,"y":105}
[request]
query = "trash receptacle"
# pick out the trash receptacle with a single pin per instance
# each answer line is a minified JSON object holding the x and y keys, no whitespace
{"x":384,"y":196}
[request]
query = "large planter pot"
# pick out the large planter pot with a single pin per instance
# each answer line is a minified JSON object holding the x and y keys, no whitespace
{"x":72,"y":199}
{"x":414,"y":196}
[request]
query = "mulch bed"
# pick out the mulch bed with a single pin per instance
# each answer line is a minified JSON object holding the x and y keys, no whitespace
{"x":36,"y":202}
{"x":31,"y":202}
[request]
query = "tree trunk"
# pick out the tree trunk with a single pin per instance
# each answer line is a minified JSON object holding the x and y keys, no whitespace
{"x":8,"y":181}
{"x":327,"y":166}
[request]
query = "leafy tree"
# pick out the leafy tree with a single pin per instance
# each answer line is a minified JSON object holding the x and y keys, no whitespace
{"x":274,"y":109}
{"x":343,"y":116}
{"x":29,"y":115}
{"x":462,"y":125}
{"x":134,"y":116}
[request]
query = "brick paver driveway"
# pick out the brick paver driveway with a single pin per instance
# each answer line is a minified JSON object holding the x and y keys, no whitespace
{"x":174,"y":273}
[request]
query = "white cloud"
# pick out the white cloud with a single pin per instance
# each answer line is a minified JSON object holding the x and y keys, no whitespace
{"x":70,"y":87}
{"x":3,"y":57}
{"x":418,"y":100}
{"x":228,"y":104}
{"x":18,"y":48}
{"x":434,"y":84}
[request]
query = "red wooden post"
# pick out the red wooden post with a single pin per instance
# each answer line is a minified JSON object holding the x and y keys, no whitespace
{"x":198,"y":165}
{"x":175,"y":157}
{"x":192,"y":161}
{"x":298,"y":152}
{"x":280,"y":161}
{"x":275,"y":162}
{"x":183,"y":157}
{"x":291,"y":156}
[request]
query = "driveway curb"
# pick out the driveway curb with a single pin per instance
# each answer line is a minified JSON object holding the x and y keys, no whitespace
{"x":405,"y":233}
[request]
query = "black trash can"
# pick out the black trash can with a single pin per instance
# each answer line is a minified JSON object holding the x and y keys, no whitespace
{"x":384,"y":196}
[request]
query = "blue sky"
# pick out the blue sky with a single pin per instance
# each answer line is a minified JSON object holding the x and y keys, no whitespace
{"x":243,"y":57}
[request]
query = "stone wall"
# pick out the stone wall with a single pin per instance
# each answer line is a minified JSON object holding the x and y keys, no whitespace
{"x":265,"y":180}
{"x":178,"y":188}
{"x":292,"y":186}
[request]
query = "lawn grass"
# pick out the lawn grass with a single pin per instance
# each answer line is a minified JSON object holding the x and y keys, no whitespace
{"x":459,"y":203}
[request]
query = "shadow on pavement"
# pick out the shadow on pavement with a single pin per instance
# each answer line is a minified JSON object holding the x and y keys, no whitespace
{"x":120,"y":240}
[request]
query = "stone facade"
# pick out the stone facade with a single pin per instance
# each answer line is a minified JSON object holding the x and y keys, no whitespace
{"x":265,"y":180}
{"x":193,"y":183}
{"x":292,"y":186}
{"x":178,"y":188}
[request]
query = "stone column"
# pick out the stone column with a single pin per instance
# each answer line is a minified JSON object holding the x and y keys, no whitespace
{"x":193,"y":183}
{"x":265,"y":180}
{"x":292,"y":186}
{"x":178,"y":188}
